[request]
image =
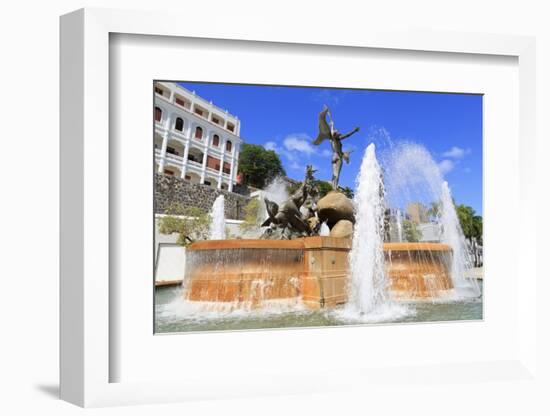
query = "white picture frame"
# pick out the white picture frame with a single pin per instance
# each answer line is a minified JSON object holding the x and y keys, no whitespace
{"x":86,"y":356}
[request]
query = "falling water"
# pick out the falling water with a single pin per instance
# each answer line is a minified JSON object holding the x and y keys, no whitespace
{"x":412,"y":175}
{"x":453,"y":236}
{"x":399,"y":223}
{"x":217,"y":226}
{"x":367,"y":289}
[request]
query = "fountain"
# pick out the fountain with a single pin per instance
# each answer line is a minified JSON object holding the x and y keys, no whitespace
{"x":217,"y":226}
{"x":452,"y":235}
{"x":435,"y":270}
{"x":368,"y":281}
{"x":399,"y":224}
{"x":332,"y":253}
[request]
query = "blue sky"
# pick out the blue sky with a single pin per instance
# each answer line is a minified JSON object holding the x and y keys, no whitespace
{"x":285,"y":119}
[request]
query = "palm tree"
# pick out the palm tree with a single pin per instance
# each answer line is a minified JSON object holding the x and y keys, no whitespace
{"x":435,"y":210}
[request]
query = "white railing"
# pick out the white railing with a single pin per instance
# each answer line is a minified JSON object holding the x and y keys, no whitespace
{"x":174,"y":158}
{"x":194,"y":163}
{"x":165,"y":98}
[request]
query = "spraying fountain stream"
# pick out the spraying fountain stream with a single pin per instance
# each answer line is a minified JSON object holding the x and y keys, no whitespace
{"x":367,"y":288}
{"x":217,"y":226}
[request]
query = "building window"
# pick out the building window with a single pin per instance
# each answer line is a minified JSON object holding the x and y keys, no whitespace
{"x":215,"y":120}
{"x":158,"y":114}
{"x":226,"y":168}
{"x":198,"y":111}
{"x":230,"y":127}
{"x":208,"y":183}
{"x":216,"y":140}
{"x":179,"y":101}
{"x":198,"y":133}
{"x":168,"y":172}
{"x":159,"y":91}
{"x":171,"y":150}
{"x":179,"y":124}
{"x":187,"y":177}
{"x":228,"y":146}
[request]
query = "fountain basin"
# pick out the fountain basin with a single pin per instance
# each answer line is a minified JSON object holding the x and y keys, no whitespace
{"x":312,"y":271}
{"x":418,"y":271}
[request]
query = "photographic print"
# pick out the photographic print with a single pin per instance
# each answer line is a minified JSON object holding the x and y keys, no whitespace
{"x":292,"y":206}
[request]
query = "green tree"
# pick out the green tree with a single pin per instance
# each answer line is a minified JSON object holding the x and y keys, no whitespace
{"x":190,"y":223}
{"x":435,"y":210}
{"x":471,"y":224}
{"x":323,"y":188}
{"x":478,"y":228}
{"x":347,"y":191}
{"x":412,"y":235}
{"x":251,"y":214}
{"x":259,"y":166}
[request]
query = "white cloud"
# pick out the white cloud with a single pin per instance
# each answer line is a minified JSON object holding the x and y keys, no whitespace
{"x":296,"y":166}
{"x":445,"y":166}
{"x":300,"y":143}
{"x":456,"y":152}
{"x":296,"y":149}
{"x":270,"y":146}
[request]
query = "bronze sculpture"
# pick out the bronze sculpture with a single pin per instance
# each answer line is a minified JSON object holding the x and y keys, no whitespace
{"x":327,"y":131}
{"x":287,"y":221}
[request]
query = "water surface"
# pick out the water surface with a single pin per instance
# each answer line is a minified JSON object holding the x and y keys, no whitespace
{"x":170,"y":319}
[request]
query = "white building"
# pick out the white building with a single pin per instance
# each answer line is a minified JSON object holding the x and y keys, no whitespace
{"x":430,"y":232}
{"x":194,"y":139}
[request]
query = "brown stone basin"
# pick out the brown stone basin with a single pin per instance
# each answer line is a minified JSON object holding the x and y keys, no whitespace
{"x":313,"y":270}
{"x":418,"y":270}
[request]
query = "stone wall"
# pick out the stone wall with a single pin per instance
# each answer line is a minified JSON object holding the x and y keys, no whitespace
{"x":170,"y":190}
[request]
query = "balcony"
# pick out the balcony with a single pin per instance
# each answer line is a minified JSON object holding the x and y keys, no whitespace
{"x":163,"y":97}
{"x":174,"y":158}
{"x":194,"y":163}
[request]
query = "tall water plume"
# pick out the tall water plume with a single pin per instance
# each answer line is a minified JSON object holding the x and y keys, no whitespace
{"x":411,"y":175}
{"x":399,"y":225}
{"x":217,"y":226}
{"x":453,"y":235}
{"x":367,"y":289}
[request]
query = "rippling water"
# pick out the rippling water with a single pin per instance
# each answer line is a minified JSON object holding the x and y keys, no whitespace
{"x":168,"y":319}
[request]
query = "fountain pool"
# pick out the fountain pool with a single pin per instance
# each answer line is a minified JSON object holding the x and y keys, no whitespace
{"x":173,"y":318}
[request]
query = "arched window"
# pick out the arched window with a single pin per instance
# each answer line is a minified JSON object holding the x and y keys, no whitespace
{"x":179,"y":124}
{"x":216,"y":140}
{"x":158,"y":114}
{"x":228,"y":146}
{"x":198,"y":132}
